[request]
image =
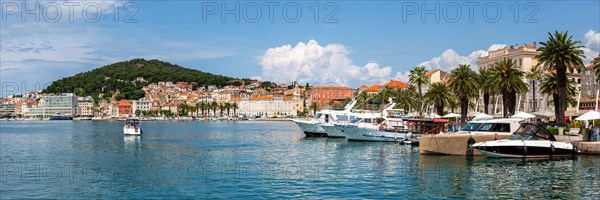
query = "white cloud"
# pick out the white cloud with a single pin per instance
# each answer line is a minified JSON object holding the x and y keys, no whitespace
{"x":450,"y":59}
{"x":402,"y":77}
{"x":316,"y":64}
{"x":591,"y":41}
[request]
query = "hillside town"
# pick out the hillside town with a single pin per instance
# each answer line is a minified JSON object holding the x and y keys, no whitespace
{"x":176,"y":99}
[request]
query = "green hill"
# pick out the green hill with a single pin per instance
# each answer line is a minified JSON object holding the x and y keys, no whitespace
{"x":120,"y":76}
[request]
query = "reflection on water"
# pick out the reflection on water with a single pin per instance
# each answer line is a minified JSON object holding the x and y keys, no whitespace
{"x":260,"y":160}
{"x":132,"y":141}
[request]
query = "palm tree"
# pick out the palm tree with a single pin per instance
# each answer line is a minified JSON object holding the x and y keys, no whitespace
{"x":405,"y":99}
{"x":194,"y":109}
{"x":314,"y":107}
{"x":463,"y":81}
{"x":534,"y":74}
{"x":440,"y":96}
{"x":548,"y":86}
{"x":214,"y":106}
{"x":560,"y":52}
{"x":235,"y":107}
{"x":221,"y":108}
{"x":596,"y":63}
{"x":484,"y":79}
{"x":418,"y":76}
{"x":508,"y":79}
{"x":361,"y":99}
{"x":384,"y":95}
{"x":228,"y":107}
{"x":203,"y":106}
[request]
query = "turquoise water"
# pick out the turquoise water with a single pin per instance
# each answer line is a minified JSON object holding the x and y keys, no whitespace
{"x":89,"y":159}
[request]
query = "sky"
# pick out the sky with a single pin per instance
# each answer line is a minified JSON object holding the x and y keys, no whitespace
{"x":320,"y":42}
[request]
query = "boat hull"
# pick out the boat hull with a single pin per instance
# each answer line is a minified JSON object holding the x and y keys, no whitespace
{"x":525,"y":149}
{"x":132,"y":131}
{"x":333,"y":131}
{"x":368,"y":135}
{"x":311,"y":129}
{"x":60,"y":118}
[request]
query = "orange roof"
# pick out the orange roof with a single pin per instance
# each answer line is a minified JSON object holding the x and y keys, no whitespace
{"x":363,"y":87}
{"x":258,"y":98}
{"x":430,"y":73}
{"x":374,"y":88}
{"x":331,"y":87}
{"x":19,"y":103}
{"x":236,"y":99}
{"x":590,"y":66}
{"x":123,"y":103}
{"x":592,"y":100}
{"x":396,"y":84}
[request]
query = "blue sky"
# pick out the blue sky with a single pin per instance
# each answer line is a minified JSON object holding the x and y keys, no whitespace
{"x":369,"y":43}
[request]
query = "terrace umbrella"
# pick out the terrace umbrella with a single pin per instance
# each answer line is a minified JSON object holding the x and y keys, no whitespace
{"x":473,"y":114}
{"x":451,"y":115}
{"x":591,"y":115}
{"x":523,"y":115}
{"x":482,"y":116}
{"x":433,"y":115}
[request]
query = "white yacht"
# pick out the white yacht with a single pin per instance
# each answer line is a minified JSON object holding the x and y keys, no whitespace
{"x":314,"y":127}
{"x":132,"y":127}
{"x":376,"y":128}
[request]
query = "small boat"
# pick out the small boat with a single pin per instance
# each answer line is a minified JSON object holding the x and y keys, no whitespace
{"x":85,"y":118}
{"x":59,"y":116}
{"x":529,"y":141}
{"x":132,"y":127}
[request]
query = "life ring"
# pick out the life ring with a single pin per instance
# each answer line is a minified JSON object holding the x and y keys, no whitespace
{"x":411,"y":125}
{"x":383,"y":126}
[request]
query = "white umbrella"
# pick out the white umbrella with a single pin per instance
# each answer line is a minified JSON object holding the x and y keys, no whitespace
{"x":482,"y":116}
{"x":523,"y":115}
{"x":433,"y":115}
{"x":591,"y":115}
{"x":473,"y":114}
{"x":451,"y":115}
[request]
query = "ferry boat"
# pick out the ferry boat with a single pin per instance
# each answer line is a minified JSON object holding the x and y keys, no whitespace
{"x":132,"y":127}
{"x":59,"y":116}
{"x":529,"y":141}
{"x":474,"y":131}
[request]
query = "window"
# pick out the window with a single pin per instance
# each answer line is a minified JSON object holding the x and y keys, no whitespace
{"x":501,"y":128}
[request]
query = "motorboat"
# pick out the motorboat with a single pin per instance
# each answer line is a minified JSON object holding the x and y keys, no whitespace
{"x":314,"y":127}
{"x":59,"y":116}
{"x":374,"y":129}
{"x":473,"y":132}
{"x":529,"y":141}
{"x":132,"y":127}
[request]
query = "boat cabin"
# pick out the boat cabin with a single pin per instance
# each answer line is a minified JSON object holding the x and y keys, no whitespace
{"x":507,"y":125}
{"x":426,"y":126}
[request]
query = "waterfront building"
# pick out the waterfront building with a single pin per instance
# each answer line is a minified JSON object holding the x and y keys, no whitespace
{"x":268,"y":106}
{"x":85,"y":107}
{"x":589,"y":89}
{"x":373,"y":89}
{"x":589,"y":84}
{"x":124,"y":108}
{"x":65,"y":104}
{"x":323,"y":94}
{"x":7,"y":109}
{"x":142,"y":104}
{"x":524,"y":58}
{"x":19,"y":108}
